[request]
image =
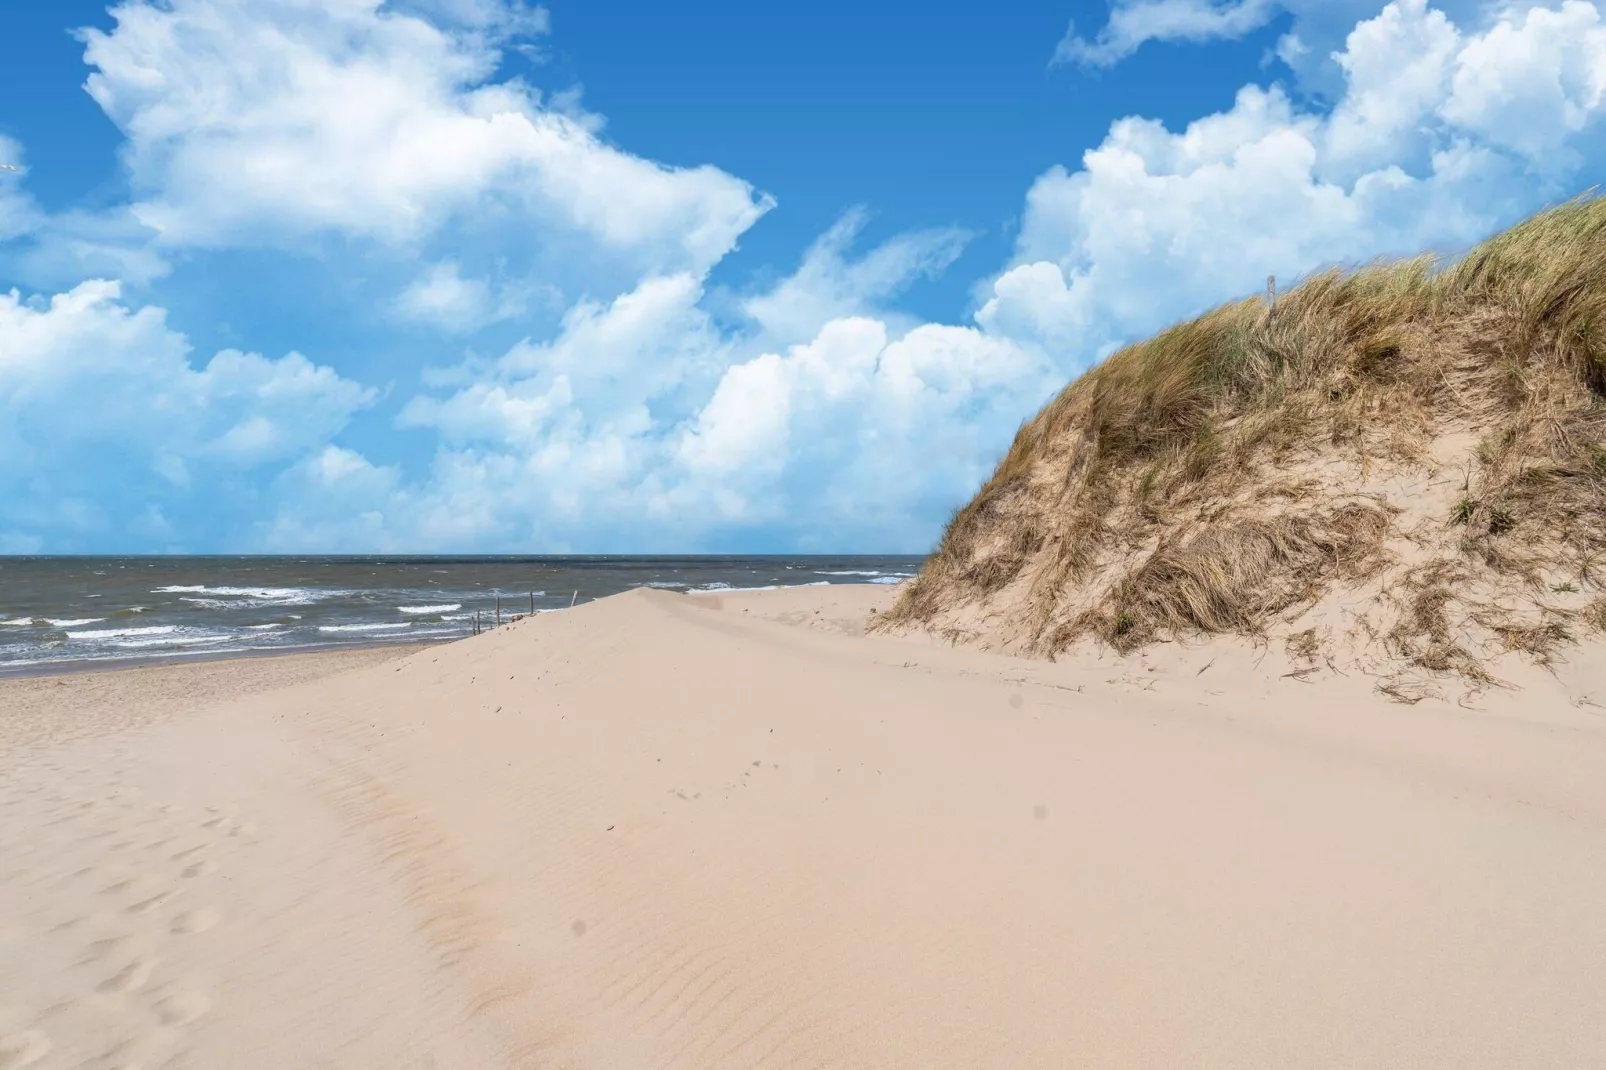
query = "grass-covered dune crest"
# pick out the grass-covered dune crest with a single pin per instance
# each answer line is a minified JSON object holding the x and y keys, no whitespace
{"x":1403,"y":464}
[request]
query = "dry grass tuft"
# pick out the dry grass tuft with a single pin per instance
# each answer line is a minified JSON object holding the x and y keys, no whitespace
{"x":1423,"y":634}
{"x":1230,"y":577}
{"x":1224,"y":473}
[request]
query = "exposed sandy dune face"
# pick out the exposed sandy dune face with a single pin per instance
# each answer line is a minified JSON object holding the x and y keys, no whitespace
{"x":1397,"y":471}
{"x":678,"y":831}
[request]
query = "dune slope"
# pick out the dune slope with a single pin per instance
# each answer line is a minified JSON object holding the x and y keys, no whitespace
{"x":1401,"y":468}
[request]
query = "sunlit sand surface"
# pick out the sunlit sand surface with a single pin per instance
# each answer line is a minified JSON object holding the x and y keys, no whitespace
{"x":679,"y":831}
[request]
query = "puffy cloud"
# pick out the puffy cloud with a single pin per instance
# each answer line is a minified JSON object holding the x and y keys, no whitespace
{"x":830,"y":284}
{"x":1397,"y":68}
{"x":101,"y":411}
{"x":267,"y":121}
{"x":608,"y":364}
{"x":444,"y":298}
{"x":877,"y":434}
{"x":341,"y":500}
{"x":1532,"y":82}
{"x":1529,"y":83}
{"x":1316,"y":31}
{"x":642,"y":424}
{"x":1418,"y":152}
{"x":1136,"y":22}
{"x":62,"y":249}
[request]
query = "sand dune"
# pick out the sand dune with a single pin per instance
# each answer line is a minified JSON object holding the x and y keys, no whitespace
{"x":681,"y":831}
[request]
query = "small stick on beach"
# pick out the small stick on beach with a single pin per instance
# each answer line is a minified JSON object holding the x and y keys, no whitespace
{"x":532,"y":603}
{"x":498,"y":611}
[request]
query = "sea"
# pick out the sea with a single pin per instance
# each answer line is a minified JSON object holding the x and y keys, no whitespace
{"x":59,"y":613}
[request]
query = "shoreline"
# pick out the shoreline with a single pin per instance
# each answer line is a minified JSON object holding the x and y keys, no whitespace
{"x":83,"y":666}
{"x":124,"y":610}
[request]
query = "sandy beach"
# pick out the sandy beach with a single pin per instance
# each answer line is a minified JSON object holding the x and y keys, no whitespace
{"x":677,"y":831}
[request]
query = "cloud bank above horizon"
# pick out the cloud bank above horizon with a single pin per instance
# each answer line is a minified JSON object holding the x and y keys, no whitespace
{"x":572,"y":374}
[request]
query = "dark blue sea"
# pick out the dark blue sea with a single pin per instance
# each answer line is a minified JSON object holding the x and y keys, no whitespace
{"x":66,"y":611}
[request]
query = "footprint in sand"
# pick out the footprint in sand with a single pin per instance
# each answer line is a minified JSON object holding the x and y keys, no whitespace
{"x":100,"y":949}
{"x":196,"y":869}
{"x":129,"y":978}
{"x":22,"y":1049}
{"x":141,"y":885}
{"x":145,"y":906}
{"x":181,"y":1008}
{"x":195,"y":921}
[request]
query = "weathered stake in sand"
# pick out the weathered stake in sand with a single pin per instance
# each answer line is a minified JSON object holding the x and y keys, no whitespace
{"x":672,"y":831}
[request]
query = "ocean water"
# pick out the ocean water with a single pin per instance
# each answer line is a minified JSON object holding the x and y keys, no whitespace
{"x":60,"y":611}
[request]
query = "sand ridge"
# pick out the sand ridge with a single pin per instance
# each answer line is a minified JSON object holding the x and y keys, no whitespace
{"x":705,"y":831}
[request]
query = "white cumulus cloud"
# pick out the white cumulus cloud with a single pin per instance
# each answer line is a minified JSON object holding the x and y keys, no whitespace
{"x":1136,"y":22}
{"x":1533,"y":82}
{"x":830,"y":283}
{"x":643,"y":423}
{"x":266,"y":121}
{"x":101,"y":408}
{"x":1422,"y":150}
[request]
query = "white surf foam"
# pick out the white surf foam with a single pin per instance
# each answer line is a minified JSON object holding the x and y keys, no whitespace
{"x":119,"y":633}
{"x":361,"y":627}
{"x":856,"y":572}
{"x":725,"y":588}
{"x":171,"y":640}
{"x":278,"y":596}
{"x":74,"y":623}
{"x":430,"y":609}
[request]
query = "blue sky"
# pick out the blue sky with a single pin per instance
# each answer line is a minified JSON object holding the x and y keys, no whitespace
{"x":469,"y":275}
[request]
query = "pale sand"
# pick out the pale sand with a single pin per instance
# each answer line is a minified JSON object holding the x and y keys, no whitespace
{"x":673,"y":831}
